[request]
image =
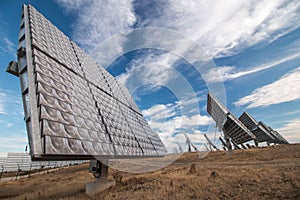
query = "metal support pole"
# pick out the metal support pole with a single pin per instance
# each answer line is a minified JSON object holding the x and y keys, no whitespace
{"x":223,"y":143}
{"x":244,"y":147}
{"x":256,"y":143}
{"x":1,"y":171}
{"x":228,"y":144}
{"x":210,"y":143}
{"x":236,"y":146}
{"x":101,"y":182}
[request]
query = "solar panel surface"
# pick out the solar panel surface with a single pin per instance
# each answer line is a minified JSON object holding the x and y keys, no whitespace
{"x":74,"y":109}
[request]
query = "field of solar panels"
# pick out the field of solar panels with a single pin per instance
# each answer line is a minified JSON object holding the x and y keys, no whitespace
{"x":258,"y":173}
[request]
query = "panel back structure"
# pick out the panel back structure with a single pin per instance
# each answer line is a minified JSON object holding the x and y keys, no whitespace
{"x":227,"y":122}
{"x":262,"y":132}
{"x":74,"y":109}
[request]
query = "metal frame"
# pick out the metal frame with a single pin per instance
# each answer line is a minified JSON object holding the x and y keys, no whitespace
{"x":56,"y":131}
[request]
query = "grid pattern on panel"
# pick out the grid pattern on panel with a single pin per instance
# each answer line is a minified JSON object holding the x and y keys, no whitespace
{"x":277,"y":137}
{"x":50,"y":39}
{"x":227,"y":122}
{"x":82,"y":109}
{"x":237,"y":131}
{"x":260,"y":132}
{"x":69,"y":120}
{"x":216,"y":110}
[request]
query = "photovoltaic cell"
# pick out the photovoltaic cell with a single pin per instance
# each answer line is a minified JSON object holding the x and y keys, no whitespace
{"x":227,"y":122}
{"x":74,"y":109}
{"x":262,"y":134}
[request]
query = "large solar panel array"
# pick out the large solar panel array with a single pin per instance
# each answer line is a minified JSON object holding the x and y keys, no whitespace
{"x":262,"y":132}
{"x":75,"y":109}
{"x":243,"y":129}
{"x":227,"y":122}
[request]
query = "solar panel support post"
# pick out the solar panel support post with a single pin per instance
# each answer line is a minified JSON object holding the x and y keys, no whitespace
{"x":243,"y":146}
{"x":210,"y":142}
{"x":2,"y":169}
{"x":236,"y":146}
{"x":225,"y":147}
{"x":256,"y":143}
{"x":100,"y":173}
{"x":228,"y":144}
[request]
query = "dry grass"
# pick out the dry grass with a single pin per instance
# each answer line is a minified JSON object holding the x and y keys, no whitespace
{"x":264,"y":173}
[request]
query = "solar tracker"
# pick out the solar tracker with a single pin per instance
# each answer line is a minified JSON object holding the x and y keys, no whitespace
{"x":227,"y":122}
{"x":262,"y":132}
{"x":74,"y":109}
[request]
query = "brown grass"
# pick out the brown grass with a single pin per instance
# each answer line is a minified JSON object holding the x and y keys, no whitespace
{"x":263,"y":173}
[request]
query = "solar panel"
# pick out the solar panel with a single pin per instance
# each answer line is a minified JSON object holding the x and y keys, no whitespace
{"x":227,"y":122}
{"x":74,"y":109}
{"x":217,"y":111}
{"x":262,"y":132}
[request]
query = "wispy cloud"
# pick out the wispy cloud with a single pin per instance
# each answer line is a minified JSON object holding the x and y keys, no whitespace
{"x":10,"y":103}
{"x":149,"y":70}
{"x":226,"y":73}
{"x":2,"y":101}
{"x":283,"y":90}
{"x":290,"y":130}
{"x":98,"y":20}
{"x":13,"y":143}
{"x":225,"y":28}
{"x":8,"y":47}
{"x":222,"y":28}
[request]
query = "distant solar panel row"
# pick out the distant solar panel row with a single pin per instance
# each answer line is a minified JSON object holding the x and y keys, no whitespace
{"x":241,"y":130}
{"x":74,"y":109}
{"x":262,"y":132}
{"x":22,"y":161}
{"x":227,"y":122}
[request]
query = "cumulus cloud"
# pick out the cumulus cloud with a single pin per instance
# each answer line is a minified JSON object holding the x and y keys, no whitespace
{"x":168,"y":122}
{"x":283,"y":90}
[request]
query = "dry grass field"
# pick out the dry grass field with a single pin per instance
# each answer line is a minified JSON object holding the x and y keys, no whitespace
{"x":261,"y":173}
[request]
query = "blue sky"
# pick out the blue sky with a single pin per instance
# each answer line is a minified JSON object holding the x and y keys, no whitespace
{"x":254,"y":45}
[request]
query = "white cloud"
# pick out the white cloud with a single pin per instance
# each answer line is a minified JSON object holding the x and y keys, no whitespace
{"x":226,"y":73}
{"x":10,"y":103}
{"x":290,"y":130}
{"x":226,"y":27}
{"x":98,"y":20}
{"x":8,"y":47}
{"x":221,"y":28}
{"x":8,"y":125}
{"x":151,"y":70}
{"x":2,"y":98}
{"x":13,"y":143}
{"x":283,"y":90}
{"x":167,"y":121}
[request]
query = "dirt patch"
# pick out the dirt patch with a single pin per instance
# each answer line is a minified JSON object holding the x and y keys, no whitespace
{"x":262,"y":173}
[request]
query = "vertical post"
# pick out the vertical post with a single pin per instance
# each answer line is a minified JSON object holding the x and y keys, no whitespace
{"x":228,"y":144}
{"x":100,"y":173}
{"x":256,"y":143}
{"x":1,"y":171}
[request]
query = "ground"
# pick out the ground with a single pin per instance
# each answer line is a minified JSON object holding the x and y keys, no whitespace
{"x":261,"y":173}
